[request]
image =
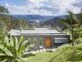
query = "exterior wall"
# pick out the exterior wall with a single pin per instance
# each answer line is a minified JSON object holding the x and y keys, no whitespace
{"x":53,"y":40}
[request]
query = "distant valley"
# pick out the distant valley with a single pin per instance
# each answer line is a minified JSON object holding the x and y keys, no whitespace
{"x":34,"y":17}
{"x":42,"y":20}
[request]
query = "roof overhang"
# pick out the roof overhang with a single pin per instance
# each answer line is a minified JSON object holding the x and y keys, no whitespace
{"x":36,"y":32}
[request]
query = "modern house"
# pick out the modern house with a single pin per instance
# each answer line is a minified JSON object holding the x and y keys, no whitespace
{"x":42,"y":37}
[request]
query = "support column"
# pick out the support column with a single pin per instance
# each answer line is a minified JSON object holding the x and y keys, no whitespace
{"x":38,"y":43}
{"x":52,"y":41}
{"x":43,"y":41}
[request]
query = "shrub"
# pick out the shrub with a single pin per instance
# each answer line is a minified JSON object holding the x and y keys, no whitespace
{"x":12,"y":49}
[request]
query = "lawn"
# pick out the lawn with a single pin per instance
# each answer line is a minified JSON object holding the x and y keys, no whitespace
{"x":40,"y":57}
{"x":62,"y":54}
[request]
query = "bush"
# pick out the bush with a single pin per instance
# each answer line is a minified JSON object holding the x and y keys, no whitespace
{"x":12,"y":49}
{"x":78,"y":41}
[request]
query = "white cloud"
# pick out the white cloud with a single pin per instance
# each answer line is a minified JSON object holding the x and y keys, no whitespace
{"x":7,"y":5}
{"x":14,"y":9}
{"x":27,"y":9}
{"x":37,"y":1}
{"x":44,"y":7}
{"x":65,"y":5}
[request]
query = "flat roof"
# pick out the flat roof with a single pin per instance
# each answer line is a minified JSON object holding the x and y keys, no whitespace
{"x":36,"y":31}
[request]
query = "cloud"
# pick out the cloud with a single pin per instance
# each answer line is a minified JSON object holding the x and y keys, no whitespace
{"x":44,"y":7}
{"x":37,"y":1}
{"x":27,"y":9}
{"x":78,"y":4}
{"x":65,"y":5}
{"x":14,"y":9}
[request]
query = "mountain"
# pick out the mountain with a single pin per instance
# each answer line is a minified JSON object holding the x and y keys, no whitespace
{"x":54,"y":22}
{"x":43,"y":20}
{"x":48,"y":21}
{"x":34,"y":17}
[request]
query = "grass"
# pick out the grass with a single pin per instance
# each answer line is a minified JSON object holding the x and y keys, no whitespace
{"x":40,"y":57}
{"x":62,"y":54}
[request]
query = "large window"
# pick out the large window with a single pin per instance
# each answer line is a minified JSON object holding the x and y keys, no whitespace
{"x":60,"y":40}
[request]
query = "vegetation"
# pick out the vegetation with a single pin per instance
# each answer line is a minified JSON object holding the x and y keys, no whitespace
{"x":12,"y":49}
{"x":64,"y":53}
{"x":73,"y":26}
{"x":8,"y":22}
{"x":3,"y":10}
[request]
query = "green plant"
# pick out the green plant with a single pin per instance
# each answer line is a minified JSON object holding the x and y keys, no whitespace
{"x":72,"y":25}
{"x":78,"y":41}
{"x":12,"y":48}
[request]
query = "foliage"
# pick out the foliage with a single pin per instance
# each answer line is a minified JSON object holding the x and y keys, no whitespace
{"x":78,"y":41}
{"x":8,"y":22}
{"x":63,"y":54}
{"x":12,"y":49}
{"x":3,"y":10}
{"x":23,"y":24}
{"x":72,"y":25}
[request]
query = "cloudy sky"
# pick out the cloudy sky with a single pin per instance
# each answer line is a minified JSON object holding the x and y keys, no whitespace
{"x":42,"y":7}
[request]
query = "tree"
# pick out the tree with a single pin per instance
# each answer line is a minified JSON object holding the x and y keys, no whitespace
{"x":72,"y":23}
{"x":3,"y":10}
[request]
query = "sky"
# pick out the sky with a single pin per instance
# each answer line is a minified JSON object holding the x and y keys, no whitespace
{"x":42,"y":7}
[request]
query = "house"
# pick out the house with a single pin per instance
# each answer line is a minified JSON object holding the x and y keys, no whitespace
{"x":42,"y":37}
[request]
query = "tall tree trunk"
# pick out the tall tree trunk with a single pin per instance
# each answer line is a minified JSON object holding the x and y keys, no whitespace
{"x":72,"y":37}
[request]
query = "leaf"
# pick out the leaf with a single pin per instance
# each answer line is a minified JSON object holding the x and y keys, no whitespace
{"x":2,"y":51}
{"x":21,"y":39}
{"x":63,"y":21}
{"x":5,"y":57}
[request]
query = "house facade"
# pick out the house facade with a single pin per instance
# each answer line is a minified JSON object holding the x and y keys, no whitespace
{"x":42,"y":37}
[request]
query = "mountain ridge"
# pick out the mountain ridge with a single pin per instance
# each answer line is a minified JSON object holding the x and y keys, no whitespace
{"x":33,"y":17}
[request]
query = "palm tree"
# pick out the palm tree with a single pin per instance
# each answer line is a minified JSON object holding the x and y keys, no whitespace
{"x":79,"y":19}
{"x":71,"y":23}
